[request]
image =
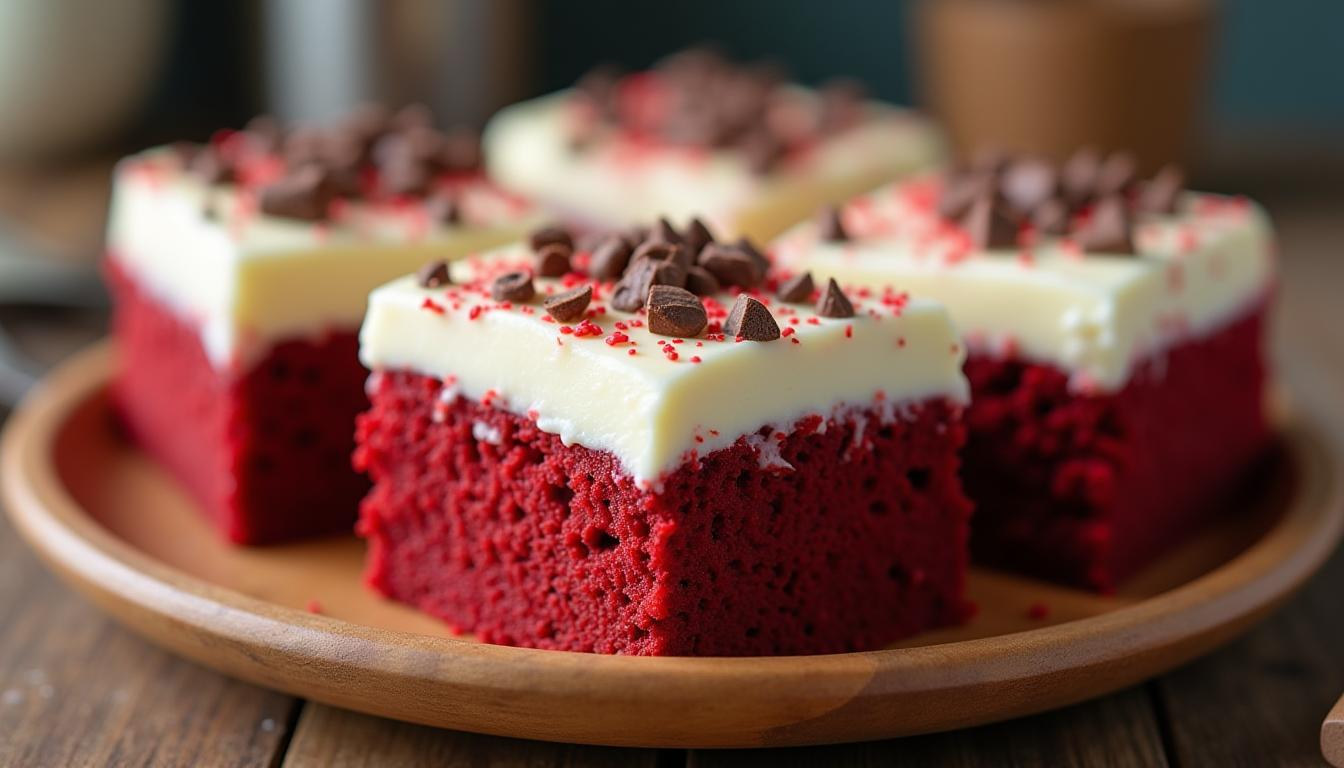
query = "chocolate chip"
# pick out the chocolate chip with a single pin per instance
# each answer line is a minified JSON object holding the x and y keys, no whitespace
{"x":610,"y":258}
{"x":1161,"y":194}
{"x":830,"y":226}
{"x":443,"y":210}
{"x":1117,"y":174}
{"x":731,"y":265}
{"x":797,"y":289}
{"x":434,"y":275}
{"x":569,"y":305}
{"x":696,"y":237}
{"x":663,"y":251}
{"x":1108,"y":229}
{"x":751,"y":320}
{"x":700,"y":282}
{"x":990,"y":225}
{"x":1079,"y":176}
{"x":960,"y":191}
{"x":751,"y":250}
{"x":663,"y":232}
{"x":1026,"y":184}
{"x":513,"y":286}
{"x":675,"y":312}
{"x":1051,"y":217}
{"x":210,"y":166}
{"x":553,"y":260}
{"x":549,"y":235}
{"x":643,"y":273}
{"x":834,"y":302}
{"x":303,"y":194}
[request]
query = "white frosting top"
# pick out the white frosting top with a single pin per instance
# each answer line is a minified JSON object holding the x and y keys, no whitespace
{"x":1093,"y":315}
{"x":609,"y":384}
{"x":616,"y":182}
{"x":249,"y":280}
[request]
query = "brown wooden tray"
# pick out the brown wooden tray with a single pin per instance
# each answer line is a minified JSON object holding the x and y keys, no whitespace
{"x":116,"y":527}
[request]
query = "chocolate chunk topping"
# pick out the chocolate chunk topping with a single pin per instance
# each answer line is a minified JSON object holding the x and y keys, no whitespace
{"x":644,"y":272}
{"x":675,"y":312}
{"x":663,"y":232}
{"x":303,"y":194}
{"x":751,"y":320}
{"x":443,"y":209}
{"x":841,"y":105}
{"x":663,"y":251}
{"x":1117,"y":174}
{"x":1026,"y":184}
{"x":413,"y":116}
{"x":961,"y":191}
{"x":461,"y":151}
{"x":1051,"y":217}
{"x":434,"y":274}
{"x":797,"y":289}
{"x":210,"y":166}
{"x":830,"y":226}
{"x":1079,"y":177}
{"x":570,"y":305}
{"x":731,"y":265}
{"x":700,"y":282}
{"x":513,"y":286}
{"x":263,"y":134}
{"x":404,"y":175}
{"x":549,"y":235}
{"x":834,"y":302}
{"x":990,"y":225}
{"x":1163,"y":191}
{"x":990,"y":160}
{"x":696,"y":237}
{"x":1108,"y":228}
{"x":762,"y":151}
{"x":553,"y":260}
{"x":751,"y":250}
{"x":610,"y":258}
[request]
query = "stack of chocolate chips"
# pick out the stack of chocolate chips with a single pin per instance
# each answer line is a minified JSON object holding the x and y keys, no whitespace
{"x":710,"y":102}
{"x":1091,"y":197}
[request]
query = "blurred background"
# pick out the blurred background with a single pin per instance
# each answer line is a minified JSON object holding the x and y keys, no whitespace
{"x":1248,"y":94}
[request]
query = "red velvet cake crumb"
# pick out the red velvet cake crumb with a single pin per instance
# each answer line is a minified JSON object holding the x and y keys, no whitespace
{"x":522,"y":540}
{"x":267,"y":451}
{"x":1087,"y":488}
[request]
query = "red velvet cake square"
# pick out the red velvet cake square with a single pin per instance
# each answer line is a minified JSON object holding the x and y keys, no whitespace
{"x":1115,"y":335}
{"x":240,"y":272}
{"x":604,"y":461}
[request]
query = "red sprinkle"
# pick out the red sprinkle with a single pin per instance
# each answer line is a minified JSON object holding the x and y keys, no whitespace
{"x":849,"y":331}
{"x":617,"y":338}
{"x":695,"y":359}
{"x":432,"y":306}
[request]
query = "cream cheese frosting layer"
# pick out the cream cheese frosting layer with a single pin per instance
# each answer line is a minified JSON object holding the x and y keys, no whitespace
{"x":1092,"y":315}
{"x":248,"y":280}
{"x":652,"y":401}
{"x":612,"y":182}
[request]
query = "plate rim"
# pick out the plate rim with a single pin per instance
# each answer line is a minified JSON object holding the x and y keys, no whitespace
{"x":657,"y":702}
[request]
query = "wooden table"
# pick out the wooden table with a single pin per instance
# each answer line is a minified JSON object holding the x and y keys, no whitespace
{"x":76,"y":689}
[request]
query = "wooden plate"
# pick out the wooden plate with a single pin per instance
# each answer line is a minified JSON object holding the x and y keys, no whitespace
{"x":113,"y":525}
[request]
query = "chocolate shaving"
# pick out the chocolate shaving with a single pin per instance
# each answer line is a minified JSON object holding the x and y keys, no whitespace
{"x":834,"y":302}
{"x":610,"y":258}
{"x":570,"y":305}
{"x":797,"y":289}
{"x":750,"y":320}
{"x":304,"y":194}
{"x":513,"y":286}
{"x":989,"y":225}
{"x":675,"y":312}
{"x":696,"y":237}
{"x":553,"y":260}
{"x":1161,"y":194}
{"x":1026,"y":184}
{"x":550,"y":235}
{"x":1108,"y":229}
{"x":731,"y":265}
{"x":700,"y":282}
{"x":434,"y":274}
{"x":830,"y":226}
{"x":1051,"y":217}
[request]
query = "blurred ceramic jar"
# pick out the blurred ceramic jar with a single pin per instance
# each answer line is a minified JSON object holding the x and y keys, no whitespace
{"x":1048,"y":76}
{"x":72,"y":72}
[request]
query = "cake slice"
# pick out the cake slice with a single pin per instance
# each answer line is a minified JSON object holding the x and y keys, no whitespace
{"x":1115,"y":334}
{"x":603,"y":461}
{"x":698,"y":135}
{"x":240,"y":271}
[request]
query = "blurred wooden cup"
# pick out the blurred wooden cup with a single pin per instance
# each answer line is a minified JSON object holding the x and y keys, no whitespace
{"x":1048,"y":76}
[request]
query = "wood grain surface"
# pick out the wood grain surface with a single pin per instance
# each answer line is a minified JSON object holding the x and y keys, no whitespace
{"x":1260,"y":701}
